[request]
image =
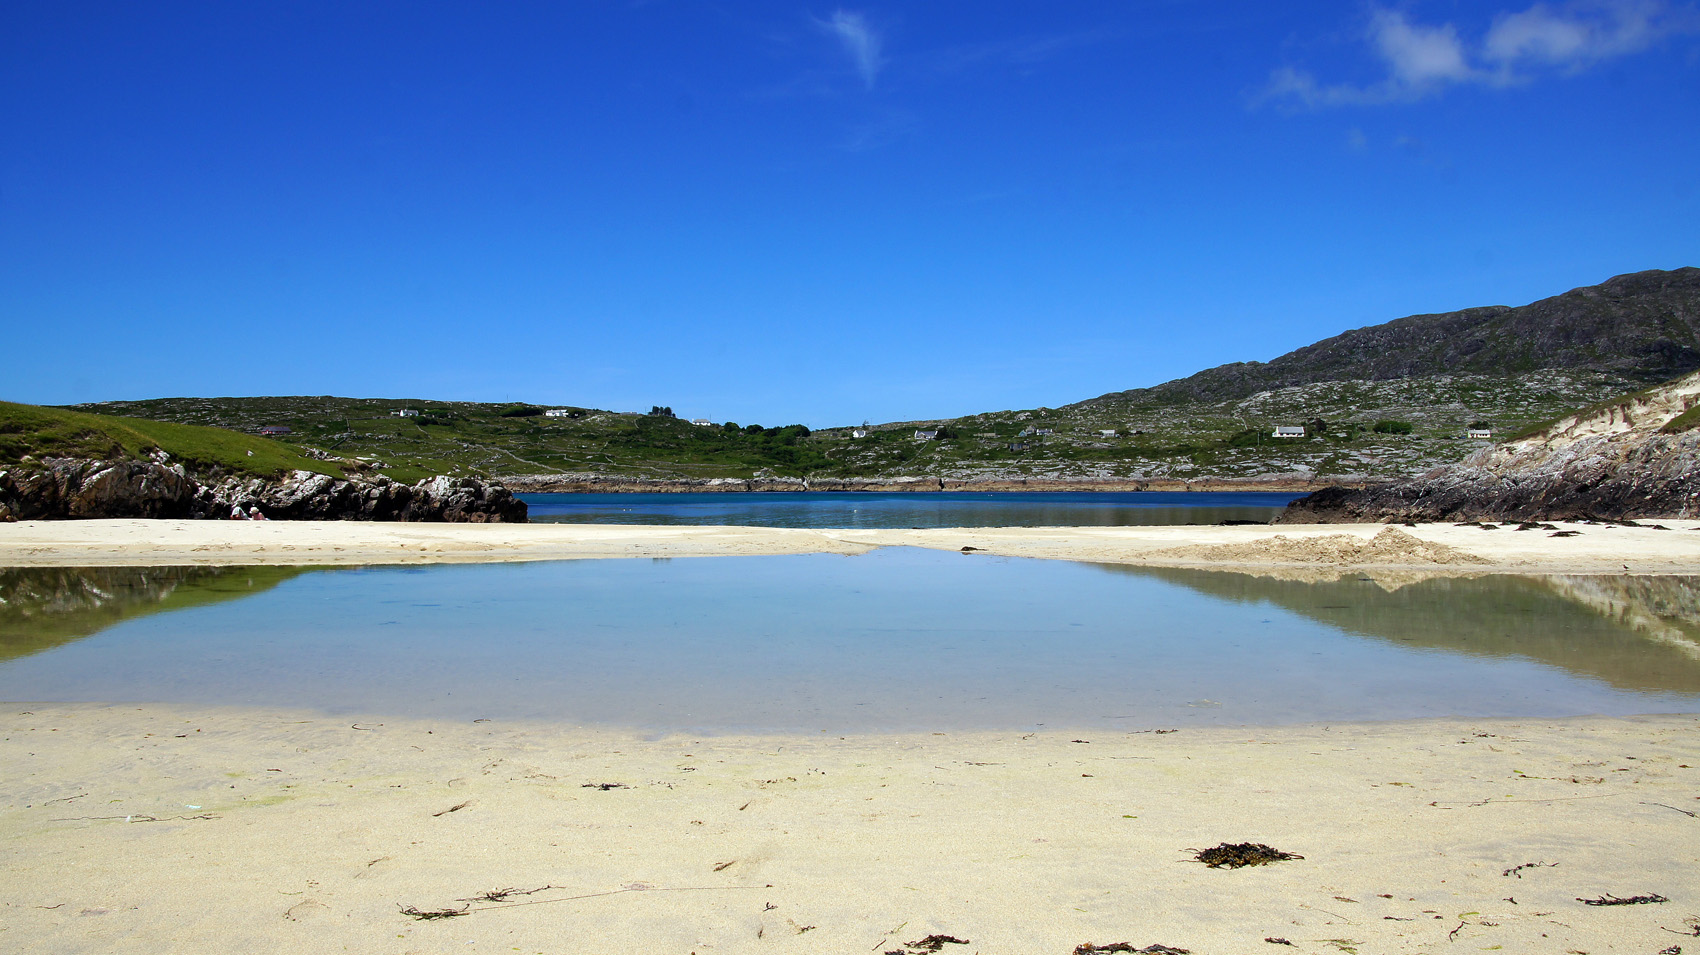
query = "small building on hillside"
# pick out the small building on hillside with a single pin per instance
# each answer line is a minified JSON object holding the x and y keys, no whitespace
{"x":557,"y":413}
{"x":1108,"y":432}
{"x":1288,"y":431}
{"x":701,"y":422}
{"x":858,"y":432}
{"x":1479,"y":433}
{"x":273,"y":430}
{"x":926,"y":435}
{"x":405,"y":413}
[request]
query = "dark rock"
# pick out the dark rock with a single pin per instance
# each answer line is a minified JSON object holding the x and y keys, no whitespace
{"x":81,"y":488}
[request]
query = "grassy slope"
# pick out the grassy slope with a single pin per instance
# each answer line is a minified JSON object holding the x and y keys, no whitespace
{"x":30,"y":429}
{"x":1231,"y":438}
{"x":452,"y":437}
{"x":1188,"y":440}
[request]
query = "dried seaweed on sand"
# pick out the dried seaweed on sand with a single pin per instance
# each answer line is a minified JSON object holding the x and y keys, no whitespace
{"x":1235,"y":855}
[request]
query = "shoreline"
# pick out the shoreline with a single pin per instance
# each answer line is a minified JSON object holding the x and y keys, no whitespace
{"x":1438,"y":549}
{"x":282,"y":830}
{"x":625,"y":484}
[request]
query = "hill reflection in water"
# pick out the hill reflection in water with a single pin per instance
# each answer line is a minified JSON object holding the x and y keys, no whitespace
{"x":45,"y":607}
{"x":895,"y":639}
{"x":1635,"y":632}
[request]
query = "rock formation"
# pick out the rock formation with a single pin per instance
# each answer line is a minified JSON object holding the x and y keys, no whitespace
{"x":1636,"y":456}
{"x":84,"y":488}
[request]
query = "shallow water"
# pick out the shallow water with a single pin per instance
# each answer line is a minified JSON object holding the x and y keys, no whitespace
{"x":909,"y":509}
{"x":896,"y":639}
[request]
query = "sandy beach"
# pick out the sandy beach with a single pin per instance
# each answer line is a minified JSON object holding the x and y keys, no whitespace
{"x":1585,"y":549}
{"x":148,"y":829}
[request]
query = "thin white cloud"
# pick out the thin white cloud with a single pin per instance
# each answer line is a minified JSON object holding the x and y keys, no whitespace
{"x":1422,"y":60}
{"x":861,"y":42}
{"x":1417,"y":56}
{"x":1576,"y":37}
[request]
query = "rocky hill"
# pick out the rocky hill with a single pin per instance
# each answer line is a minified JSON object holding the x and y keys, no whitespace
{"x":1644,"y":326}
{"x":1634,"y":457}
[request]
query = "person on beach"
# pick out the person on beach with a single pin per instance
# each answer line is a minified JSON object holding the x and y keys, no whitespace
{"x":255,"y":515}
{"x":237,"y":514}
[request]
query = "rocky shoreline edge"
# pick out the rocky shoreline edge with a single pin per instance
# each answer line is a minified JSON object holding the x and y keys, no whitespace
{"x":68,"y":488}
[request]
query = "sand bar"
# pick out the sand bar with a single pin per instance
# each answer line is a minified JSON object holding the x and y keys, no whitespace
{"x":149,"y":828}
{"x":1592,"y":549}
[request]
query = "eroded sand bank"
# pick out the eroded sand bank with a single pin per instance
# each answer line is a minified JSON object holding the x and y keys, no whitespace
{"x":149,"y":829}
{"x":1592,"y":548}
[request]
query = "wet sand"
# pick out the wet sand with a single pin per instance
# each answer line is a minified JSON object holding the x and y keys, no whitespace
{"x":1592,"y":549}
{"x":148,"y":829}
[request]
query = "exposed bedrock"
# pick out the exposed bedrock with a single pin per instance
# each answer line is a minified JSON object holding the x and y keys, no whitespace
{"x":80,"y":488}
{"x":1633,"y":458}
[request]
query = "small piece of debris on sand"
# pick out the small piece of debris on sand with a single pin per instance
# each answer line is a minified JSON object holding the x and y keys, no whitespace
{"x":1609,"y":899}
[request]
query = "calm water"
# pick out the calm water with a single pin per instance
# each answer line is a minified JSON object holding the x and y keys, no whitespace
{"x":890,"y":640}
{"x":910,"y":509}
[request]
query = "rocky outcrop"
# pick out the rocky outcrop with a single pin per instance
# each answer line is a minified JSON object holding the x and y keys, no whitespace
{"x":1631,"y":458}
{"x":80,"y":488}
{"x":72,"y":487}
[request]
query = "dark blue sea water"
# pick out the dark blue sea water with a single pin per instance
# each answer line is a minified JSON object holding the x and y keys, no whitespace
{"x":911,"y":509}
{"x":895,"y":639}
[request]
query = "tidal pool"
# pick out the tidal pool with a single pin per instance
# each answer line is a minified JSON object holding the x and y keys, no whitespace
{"x":896,"y":639}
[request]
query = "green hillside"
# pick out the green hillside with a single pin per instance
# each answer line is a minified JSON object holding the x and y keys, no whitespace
{"x":1386,"y":401}
{"x":1228,"y":438}
{"x":47,"y":432}
{"x":462,"y":437}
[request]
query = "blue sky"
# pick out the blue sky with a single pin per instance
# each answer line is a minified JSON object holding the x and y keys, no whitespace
{"x":784,"y":212}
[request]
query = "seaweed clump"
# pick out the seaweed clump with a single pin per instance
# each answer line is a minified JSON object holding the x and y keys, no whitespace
{"x":1090,"y":949}
{"x":1234,"y":855}
{"x":931,"y":943}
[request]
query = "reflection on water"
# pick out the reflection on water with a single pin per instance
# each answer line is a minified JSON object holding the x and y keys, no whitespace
{"x":892,"y":639}
{"x":910,"y":509}
{"x":1637,"y":633}
{"x":43,"y":607}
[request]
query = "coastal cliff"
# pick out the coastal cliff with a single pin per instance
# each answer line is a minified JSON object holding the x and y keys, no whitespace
{"x":1634,"y":457}
{"x":57,"y":488}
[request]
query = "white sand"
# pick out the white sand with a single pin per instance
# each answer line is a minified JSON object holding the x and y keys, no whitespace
{"x":172,"y":829}
{"x":1595,"y":549}
{"x":181,"y":829}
